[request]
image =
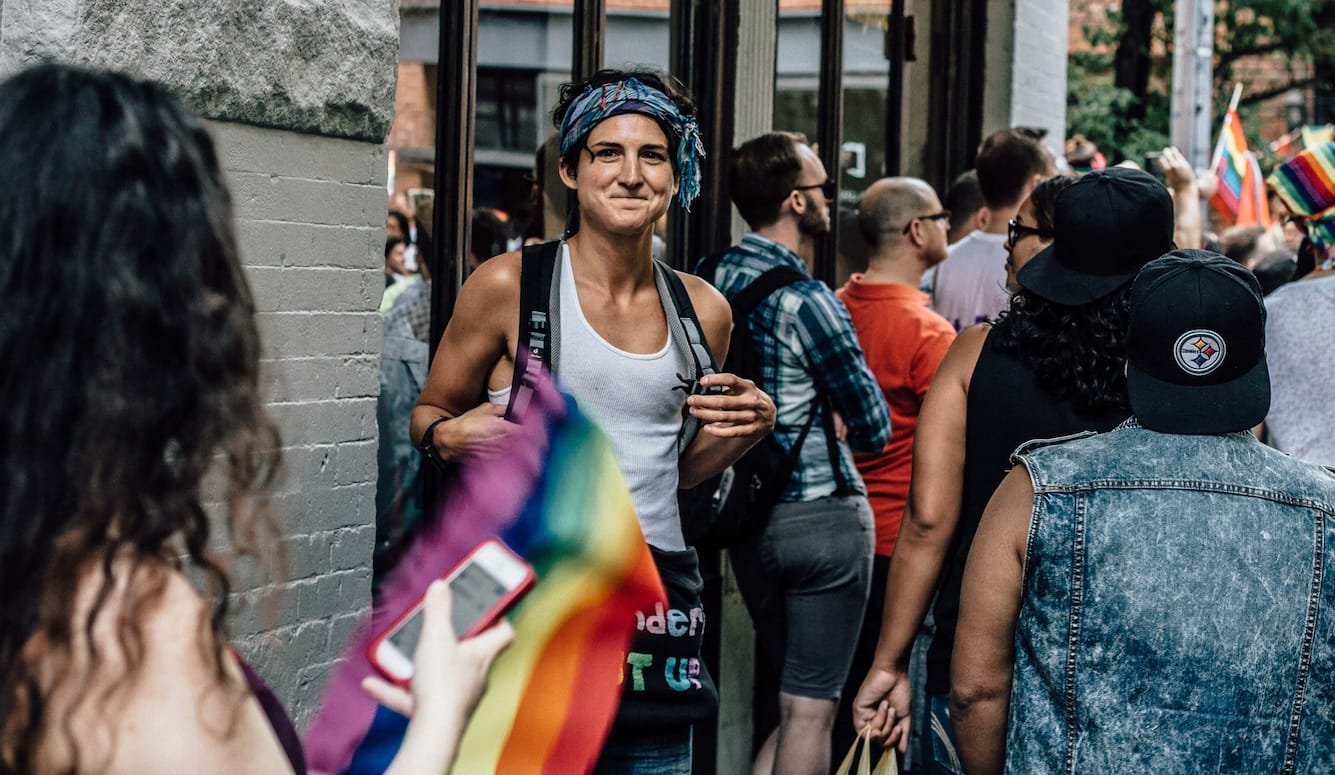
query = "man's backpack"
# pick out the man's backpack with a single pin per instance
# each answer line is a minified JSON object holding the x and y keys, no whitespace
{"x":736,"y":505}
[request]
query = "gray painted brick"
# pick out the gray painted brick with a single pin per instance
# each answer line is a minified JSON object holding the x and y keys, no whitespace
{"x":311,"y":422}
{"x":356,"y":462}
{"x":292,"y":243}
{"x":308,"y":641}
{"x":354,"y":588}
{"x":315,"y":289}
{"x":333,"y":507}
{"x":299,"y":334}
{"x":311,"y":468}
{"x":307,"y":556}
{"x":307,"y":379}
{"x":342,"y":629}
{"x":358,"y":378}
{"x":349,"y":548}
{"x":254,"y":149}
{"x":261,"y":610}
{"x":260,"y":195}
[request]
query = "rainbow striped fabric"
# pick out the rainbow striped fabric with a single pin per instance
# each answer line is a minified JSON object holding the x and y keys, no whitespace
{"x":558,"y":499}
{"x":1306,"y":183}
{"x":1241,"y":196}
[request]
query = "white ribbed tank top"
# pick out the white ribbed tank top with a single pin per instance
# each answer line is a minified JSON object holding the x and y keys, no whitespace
{"x":632,"y":398}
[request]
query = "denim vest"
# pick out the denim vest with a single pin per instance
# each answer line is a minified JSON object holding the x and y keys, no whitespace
{"x":1178,"y":615}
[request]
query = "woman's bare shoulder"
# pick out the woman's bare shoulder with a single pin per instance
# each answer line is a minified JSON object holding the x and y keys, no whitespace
{"x":164,"y":693}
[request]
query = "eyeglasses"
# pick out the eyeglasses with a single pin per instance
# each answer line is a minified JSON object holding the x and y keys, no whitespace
{"x":1016,"y":231}
{"x":826,"y":188}
{"x":933,"y":217}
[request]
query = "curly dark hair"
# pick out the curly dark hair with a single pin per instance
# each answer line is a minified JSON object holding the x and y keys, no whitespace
{"x":128,"y":362}
{"x":1044,"y":199}
{"x":1077,"y":353}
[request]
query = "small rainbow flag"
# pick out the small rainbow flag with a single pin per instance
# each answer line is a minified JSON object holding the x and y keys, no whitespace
{"x":557,"y":498}
{"x":1306,"y":183}
{"x":1241,"y":196}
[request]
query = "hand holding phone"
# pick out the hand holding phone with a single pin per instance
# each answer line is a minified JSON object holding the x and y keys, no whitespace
{"x":449,"y":676}
{"x":483,"y":586}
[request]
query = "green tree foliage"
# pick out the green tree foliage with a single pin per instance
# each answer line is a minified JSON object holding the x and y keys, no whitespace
{"x":1118,"y":88}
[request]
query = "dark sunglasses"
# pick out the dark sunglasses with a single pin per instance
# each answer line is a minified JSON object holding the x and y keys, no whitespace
{"x":826,"y":188}
{"x":933,"y":217}
{"x":1015,"y":231}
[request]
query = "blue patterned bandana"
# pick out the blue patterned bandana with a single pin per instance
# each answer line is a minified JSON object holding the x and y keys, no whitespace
{"x":630,"y":96}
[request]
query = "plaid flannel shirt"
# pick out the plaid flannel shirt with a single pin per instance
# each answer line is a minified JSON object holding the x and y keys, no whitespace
{"x":809,"y":351}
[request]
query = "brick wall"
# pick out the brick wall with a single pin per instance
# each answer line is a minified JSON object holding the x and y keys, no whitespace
{"x":1038,"y":74}
{"x":1025,"y":80}
{"x":310,"y":215}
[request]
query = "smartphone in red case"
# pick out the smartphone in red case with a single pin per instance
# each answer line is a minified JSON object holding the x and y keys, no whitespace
{"x":485,"y":584}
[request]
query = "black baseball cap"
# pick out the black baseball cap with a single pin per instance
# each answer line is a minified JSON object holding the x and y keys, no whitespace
{"x":1105,"y":226}
{"x":1196,"y":345}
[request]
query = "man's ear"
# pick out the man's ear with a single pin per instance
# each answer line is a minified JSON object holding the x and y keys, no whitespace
{"x":796,"y":202}
{"x":981,"y":218}
{"x":1029,"y":187}
{"x":915,"y":233}
{"x":567,"y":175}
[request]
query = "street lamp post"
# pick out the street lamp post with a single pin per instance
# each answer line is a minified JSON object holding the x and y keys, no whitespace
{"x":1295,"y":109}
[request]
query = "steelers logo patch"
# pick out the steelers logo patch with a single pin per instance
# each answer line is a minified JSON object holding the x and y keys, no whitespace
{"x":1199,"y":352}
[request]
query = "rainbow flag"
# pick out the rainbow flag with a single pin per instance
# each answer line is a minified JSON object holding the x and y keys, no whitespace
{"x":1241,"y":195}
{"x":1306,"y":183}
{"x":558,"y":499}
{"x":1314,"y":136}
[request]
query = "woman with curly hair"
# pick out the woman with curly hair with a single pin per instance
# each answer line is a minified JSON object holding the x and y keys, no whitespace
{"x":1030,"y":231}
{"x":129,"y":361}
{"x":1051,"y":365}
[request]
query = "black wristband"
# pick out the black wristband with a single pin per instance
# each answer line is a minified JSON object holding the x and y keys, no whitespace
{"x":429,"y":449}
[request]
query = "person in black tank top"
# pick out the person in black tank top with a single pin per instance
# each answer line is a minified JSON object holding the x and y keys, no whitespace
{"x":1052,"y":365}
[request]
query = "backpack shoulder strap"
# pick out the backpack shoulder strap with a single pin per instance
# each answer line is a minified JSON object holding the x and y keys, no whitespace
{"x":537,"y":266}
{"x":707,"y":266}
{"x":760,"y":289}
{"x":701,"y":355}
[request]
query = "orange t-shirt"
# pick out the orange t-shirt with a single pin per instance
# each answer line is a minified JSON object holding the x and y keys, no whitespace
{"x":904,"y":342}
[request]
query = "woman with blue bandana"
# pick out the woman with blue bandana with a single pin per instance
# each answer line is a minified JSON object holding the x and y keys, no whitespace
{"x":629,"y":146}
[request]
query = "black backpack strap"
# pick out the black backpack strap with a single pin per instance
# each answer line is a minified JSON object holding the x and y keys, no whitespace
{"x":760,"y":289}
{"x":537,"y":266}
{"x":841,"y":484}
{"x":743,"y":304}
{"x":707,"y":266}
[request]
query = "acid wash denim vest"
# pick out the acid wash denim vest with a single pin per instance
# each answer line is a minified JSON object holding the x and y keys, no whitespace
{"x":1178,"y":610}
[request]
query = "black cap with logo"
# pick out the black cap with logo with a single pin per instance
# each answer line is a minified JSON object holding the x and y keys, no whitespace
{"x":1196,"y":345}
{"x":1106,"y":226}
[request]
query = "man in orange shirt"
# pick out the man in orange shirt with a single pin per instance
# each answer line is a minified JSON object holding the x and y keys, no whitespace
{"x":904,"y":341}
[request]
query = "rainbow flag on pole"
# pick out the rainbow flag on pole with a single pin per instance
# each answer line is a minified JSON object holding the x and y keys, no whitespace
{"x":1241,"y":195}
{"x":558,"y":499}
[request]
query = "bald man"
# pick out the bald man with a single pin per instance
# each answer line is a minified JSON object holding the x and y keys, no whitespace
{"x":904,"y":340}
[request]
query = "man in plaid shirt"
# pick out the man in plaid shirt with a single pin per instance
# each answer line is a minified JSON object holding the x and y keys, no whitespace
{"x":805,"y":578}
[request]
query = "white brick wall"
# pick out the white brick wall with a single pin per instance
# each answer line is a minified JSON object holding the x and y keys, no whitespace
{"x":1026,"y":67}
{"x":310,"y":216}
{"x":1038,"y":75}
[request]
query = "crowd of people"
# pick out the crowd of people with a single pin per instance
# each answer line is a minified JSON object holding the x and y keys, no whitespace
{"x":1014,"y":307}
{"x":1041,"y":508}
